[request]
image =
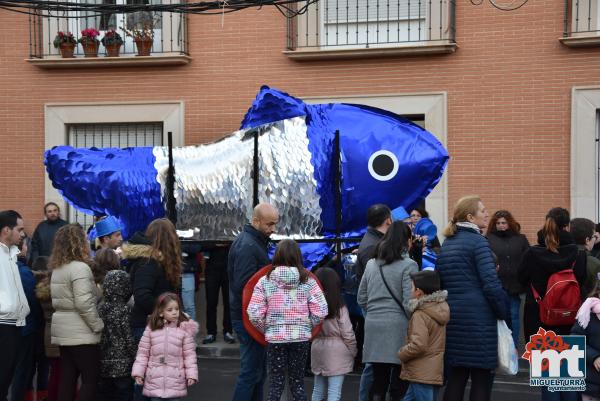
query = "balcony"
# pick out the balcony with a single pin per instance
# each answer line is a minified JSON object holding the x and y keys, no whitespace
{"x":169,"y":47}
{"x":371,"y":28}
{"x":581,"y":23}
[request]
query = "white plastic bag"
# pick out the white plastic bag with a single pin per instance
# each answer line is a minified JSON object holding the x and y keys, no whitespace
{"x":508,"y":360}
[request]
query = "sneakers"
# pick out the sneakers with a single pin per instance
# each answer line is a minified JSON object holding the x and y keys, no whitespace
{"x":229,"y":339}
{"x":209,"y":339}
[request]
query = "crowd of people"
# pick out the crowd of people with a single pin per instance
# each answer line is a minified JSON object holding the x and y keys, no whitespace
{"x":117,"y":321}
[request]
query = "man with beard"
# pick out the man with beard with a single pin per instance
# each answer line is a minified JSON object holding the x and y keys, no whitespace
{"x":43,"y":236}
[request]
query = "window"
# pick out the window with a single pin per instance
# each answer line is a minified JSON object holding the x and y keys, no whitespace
{"x":372,"y":23}
{"x":584,"y":18}
{"x":169,"y":29}
{"x":120,"y":135}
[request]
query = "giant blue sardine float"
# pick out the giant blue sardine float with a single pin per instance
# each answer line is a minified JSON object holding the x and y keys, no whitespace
{"x":384,"y":159}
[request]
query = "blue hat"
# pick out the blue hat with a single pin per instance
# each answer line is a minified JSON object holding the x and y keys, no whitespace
{"x":107,"y":226}
{"x":399,"y":214}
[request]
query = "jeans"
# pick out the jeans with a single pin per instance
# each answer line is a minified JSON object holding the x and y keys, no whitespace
{"x":138,"y":332}
{"x":419,"y":392}
{"x":188,"y":294}
{"x":515,"y":308}
{"x":366,"y":381}
{"x":559,"y":395}
{"x":333,"y":385}
{"x":251,"y":379}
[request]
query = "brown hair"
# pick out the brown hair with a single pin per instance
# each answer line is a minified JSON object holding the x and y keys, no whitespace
{"x":155,"y":321}
{"x":166,"y":248}
{"x":332,"y":289}
{"x":70,"y":244}
{"x":557,"y":219}
{"x":105,"y":260}
{"x":288,"y":254}
{"x":512,"y":223}
{"x":465,"y":206}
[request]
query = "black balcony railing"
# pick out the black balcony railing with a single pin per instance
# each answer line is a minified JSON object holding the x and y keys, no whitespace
{"x":169,"y":30}
{"x":371,"y":23}
{"x":582,"y":18}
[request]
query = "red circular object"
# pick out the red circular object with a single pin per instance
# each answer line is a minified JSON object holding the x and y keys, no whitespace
{"x":247,"y":294}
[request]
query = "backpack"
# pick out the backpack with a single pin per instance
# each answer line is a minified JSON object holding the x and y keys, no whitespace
{"x":561,"y":301}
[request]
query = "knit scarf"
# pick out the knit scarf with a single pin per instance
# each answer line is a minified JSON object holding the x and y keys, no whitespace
{"x":467,"y":224}
{"x":583,"y":314}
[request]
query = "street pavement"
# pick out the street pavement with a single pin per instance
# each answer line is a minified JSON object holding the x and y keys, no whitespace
{"x":217,"y":378}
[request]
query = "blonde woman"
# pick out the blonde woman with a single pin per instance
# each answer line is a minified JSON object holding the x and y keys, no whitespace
{"x":76,"y":327}
{"x":476,"y":299}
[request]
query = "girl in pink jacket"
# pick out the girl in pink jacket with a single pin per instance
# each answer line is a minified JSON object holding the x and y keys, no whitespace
{"x":333,"y":350}
{"x":285,"y":305}
{"x":166,"y":359}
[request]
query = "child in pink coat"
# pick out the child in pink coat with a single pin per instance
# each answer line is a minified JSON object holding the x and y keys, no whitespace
{"x":166,"y":358}
{"x":285,"y":305}
{"x":334,"y":348}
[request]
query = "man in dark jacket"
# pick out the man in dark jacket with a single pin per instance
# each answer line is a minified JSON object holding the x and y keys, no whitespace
{"x":43,"y":236}
{"x":379,"y":219}
{"x":247,"y":255}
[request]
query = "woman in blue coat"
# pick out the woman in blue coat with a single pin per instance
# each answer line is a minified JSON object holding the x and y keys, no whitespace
{"x":476,"y":299}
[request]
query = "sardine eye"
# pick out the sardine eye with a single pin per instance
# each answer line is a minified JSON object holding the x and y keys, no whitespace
{"x":383,"y":165}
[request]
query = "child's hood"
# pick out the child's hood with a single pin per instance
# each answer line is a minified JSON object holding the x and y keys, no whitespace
{"x":117,"y":286}
{"x":434,"y":305}
{"x":285,"y":277}
{"x":190,"y":327}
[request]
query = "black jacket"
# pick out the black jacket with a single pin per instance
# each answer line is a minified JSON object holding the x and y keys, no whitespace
{"x":592,"y":351}
{"x":148,"y":281}
{"x":43,"y":238}
{"x":247,"y":255}
{"x":538,"y":265}
{"x":509,"y":247}
{"x":190,"y":252}
{"x":366,"y":252}
{"x":117,"y":343}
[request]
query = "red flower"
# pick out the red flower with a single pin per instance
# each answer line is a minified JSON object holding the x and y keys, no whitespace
{"x":544,"y":340}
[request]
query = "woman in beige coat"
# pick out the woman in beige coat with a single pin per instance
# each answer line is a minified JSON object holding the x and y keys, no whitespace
{"x":76,"y":327}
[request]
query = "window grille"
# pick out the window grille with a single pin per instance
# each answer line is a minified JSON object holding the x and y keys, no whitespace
{"x":118,"y":135}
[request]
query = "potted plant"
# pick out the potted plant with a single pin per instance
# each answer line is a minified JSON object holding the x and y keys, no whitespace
{"x":142,"y":32}
{"x":89,"y":42}
{"x":66,"y":43}
{"x":112,"y":42}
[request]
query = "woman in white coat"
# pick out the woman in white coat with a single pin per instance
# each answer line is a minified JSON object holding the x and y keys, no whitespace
{"x":76,"y":327}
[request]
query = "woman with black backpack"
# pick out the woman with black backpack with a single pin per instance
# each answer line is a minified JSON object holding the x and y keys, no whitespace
{"x":555,"y":260}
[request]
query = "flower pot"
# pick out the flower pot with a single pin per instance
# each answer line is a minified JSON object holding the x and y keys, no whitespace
{"x":90,"y":49}
{"x":144,"y":46}
{"x":67,"y":50}
{"x":113,"y":50}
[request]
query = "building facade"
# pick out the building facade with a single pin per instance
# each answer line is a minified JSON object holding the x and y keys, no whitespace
{"x":514,"y":95}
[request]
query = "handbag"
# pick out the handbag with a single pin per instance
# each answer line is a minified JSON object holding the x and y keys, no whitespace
{"x":508,"y":361}
{"x":390,"y":291}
